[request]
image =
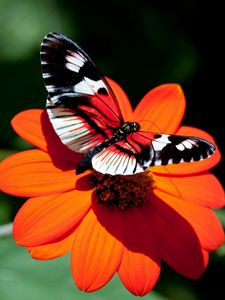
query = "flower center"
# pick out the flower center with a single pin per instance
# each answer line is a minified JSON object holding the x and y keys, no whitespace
{"x":123,"y":190}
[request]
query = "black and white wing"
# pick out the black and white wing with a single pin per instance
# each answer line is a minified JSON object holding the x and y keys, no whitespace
{"x":81,"y":105}
{"x":141,"y":150}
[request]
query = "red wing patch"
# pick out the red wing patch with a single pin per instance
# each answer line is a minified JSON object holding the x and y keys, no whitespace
{"x":74,"y":131}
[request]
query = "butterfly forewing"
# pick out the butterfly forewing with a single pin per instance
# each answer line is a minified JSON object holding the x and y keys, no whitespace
{"x":174,"y":149}
{"x":79,"y":96}
{"x":141,"y":150}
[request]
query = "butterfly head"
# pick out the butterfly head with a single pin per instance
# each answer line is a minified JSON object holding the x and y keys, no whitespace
{"x":135,"y":126}
{"x":129,"y":127}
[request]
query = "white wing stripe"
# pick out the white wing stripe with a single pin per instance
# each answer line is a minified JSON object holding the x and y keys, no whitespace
{"x":75,"y":60}
{"x":46,"y":75}
{"x":83,"y":88}
{"x":72,"y":67}
{"x":54,"y":98}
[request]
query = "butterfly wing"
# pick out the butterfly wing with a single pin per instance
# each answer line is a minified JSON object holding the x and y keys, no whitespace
{"x":81,"y":105}
{"x":167,"y":149}
{"x":119,"y":158}
{"x":141,"y":150}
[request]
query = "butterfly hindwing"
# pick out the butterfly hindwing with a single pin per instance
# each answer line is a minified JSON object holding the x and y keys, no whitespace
{"x":119,"y":158}
{"x":79,"y":96}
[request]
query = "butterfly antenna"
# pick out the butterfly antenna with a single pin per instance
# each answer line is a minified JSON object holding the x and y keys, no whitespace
{"x":152,"y":123}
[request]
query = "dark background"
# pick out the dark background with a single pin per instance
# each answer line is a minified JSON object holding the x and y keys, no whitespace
{"x":140,"y":44}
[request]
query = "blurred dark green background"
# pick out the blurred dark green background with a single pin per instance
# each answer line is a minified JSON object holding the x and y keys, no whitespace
{"x":140,"y":44}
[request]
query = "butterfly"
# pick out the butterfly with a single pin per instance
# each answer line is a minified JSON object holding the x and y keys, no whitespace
{"x":86,"y":116}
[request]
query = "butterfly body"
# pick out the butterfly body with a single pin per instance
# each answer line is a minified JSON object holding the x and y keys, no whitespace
{"x":86,"y":116}
{"x":125,"y":129}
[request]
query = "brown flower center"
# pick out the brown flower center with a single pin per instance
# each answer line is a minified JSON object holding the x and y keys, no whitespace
{"x":123,"y":191}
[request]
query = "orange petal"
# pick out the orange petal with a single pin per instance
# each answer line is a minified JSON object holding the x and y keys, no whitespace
{"x":140,"y":266}
{"x":194,"y":167}
{"x":44,"y":220}
{"x":97,"y":251}
{"x":178,"y":243}
{"x":34,"y":173}
{"x":202,"y":219}
{"x":54,"y":250}
{"x":34,"y":126}
{"x":122,"y":99}
{"x":27,"y":124}
{"x":162,"y":109}
{"x":203,"y":189}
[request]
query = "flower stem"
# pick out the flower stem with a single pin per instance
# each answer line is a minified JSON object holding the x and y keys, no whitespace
{"x":5,"y":229}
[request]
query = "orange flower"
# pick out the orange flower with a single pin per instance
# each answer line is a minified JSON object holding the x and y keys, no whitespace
{"x":162,"y":214}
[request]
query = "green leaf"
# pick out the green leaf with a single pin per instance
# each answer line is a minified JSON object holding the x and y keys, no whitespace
{"x":5,"y":153}
{"x":22,"y":277}
{"x":221,"y":215}
{"x":24,"y":24}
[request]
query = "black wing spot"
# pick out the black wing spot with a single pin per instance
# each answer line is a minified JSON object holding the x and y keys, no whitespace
{"x":157,"y":136}
{"x":176,"y":139}
{"x":102,"y":91}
